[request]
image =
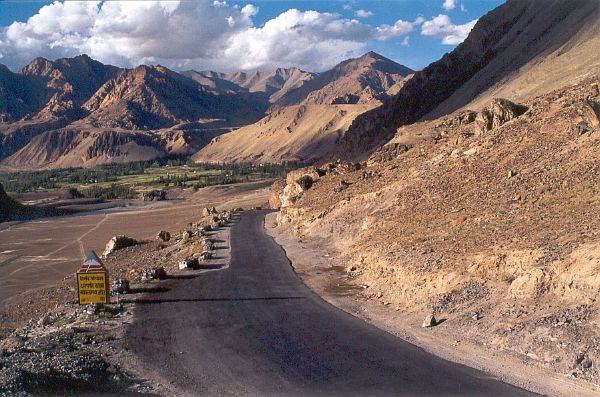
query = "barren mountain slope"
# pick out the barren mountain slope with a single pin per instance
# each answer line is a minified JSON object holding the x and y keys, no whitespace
{"x":62,"y":86}
{"x":359,"y":80}
{"x":85,"y":148}
{"x":295,"y":133}
{"x":490,"y":220}
{"x":150,"y":97}
{"x":527,"y":47}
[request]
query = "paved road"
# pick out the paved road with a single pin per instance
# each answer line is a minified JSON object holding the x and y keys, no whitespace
{"x":255,"y":329}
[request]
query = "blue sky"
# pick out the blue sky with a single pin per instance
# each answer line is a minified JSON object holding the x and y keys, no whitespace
{"x":235,"y":35}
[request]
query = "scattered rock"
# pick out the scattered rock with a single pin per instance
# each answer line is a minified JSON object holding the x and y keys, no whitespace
{"x":93,"y":309}
{"x":343,"y":185}
{"x":387,"y":153}
{"x":11,"y":345}
{"x":45,"y":320}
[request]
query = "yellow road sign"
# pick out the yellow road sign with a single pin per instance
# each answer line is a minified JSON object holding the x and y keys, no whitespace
{"x":92,"y":281}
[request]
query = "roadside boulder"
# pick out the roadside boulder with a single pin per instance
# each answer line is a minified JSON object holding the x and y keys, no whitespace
{"x":208,"y":211}
{"x":117,"y":243}
{"x":429,"y":321}
{"x":163,"y":235}
{"x":120,"y":286}
{"x":206,"y":255}
{"x":186,"y":235}
{"x":155,"y":273}
{"x":189,"y":263}
{"x":207,"y":244}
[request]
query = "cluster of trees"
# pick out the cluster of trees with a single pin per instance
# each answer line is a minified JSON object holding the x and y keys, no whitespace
{"x":88,"y":179}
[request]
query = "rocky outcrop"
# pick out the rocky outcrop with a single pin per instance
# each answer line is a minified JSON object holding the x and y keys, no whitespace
{"x":499,"y":112}
{"x":299,"y":181}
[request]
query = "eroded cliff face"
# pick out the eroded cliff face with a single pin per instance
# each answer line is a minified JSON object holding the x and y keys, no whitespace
{"x":516,"y":34}
{"x":492,"y":212}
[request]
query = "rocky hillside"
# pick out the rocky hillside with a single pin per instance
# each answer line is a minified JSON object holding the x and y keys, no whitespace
{"x":520,"y":49}
{"x":152,"y":97}
{"x":301,"y":133}
{"x":367,"y":79}
{"x":488,"y":219}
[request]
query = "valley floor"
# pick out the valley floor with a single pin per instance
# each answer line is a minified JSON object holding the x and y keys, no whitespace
{"x":36,"y":255}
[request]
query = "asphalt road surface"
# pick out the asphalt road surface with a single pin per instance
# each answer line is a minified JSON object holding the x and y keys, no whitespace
{"x":256,"y":329}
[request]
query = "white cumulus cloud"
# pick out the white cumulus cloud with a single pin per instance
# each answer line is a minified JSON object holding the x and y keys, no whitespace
{"x":183,"y":34}
{"x":363,"y":13}
{"x":449,"y":5}
{"x":441,"y":27}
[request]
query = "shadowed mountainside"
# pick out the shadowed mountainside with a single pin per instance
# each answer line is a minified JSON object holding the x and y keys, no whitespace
{"x":523,"y":47}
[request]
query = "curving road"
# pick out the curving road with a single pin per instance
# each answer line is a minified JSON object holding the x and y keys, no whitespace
{"x":256,"y":329}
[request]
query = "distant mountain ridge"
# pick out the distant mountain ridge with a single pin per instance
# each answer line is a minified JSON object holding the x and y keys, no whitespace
{"x":79,"y":112}
{"x":360,"y":80}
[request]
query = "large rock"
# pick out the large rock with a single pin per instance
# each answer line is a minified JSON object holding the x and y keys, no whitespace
{"x":429,"y":321}
{"x":116,"y":243}
{"x":189,"y":263}
{"x":163,"y":235}
{"x":499,"y":112}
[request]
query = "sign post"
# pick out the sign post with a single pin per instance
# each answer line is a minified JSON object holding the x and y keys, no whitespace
{"x":92,"y":281}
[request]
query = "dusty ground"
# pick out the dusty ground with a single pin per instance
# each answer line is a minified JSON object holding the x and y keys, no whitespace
{"x":496,"y":231}
{"x":39,"y":257}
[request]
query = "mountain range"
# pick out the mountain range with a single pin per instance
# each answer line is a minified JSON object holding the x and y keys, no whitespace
{"x":79,"y":112}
